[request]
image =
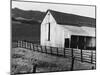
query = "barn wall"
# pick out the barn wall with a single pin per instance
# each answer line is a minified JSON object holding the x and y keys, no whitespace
{"x":90,"y":30}
{"x":67,"y":35}
{"x":59,"y":40}
{"x":55,"y":32}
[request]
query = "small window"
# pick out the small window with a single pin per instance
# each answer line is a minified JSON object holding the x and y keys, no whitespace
{"x":49,"y":32}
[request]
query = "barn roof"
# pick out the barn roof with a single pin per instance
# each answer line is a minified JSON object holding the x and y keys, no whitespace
{"x":71,"y":19}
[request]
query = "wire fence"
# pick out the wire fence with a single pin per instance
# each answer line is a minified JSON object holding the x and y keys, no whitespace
{"x":77,"y":54}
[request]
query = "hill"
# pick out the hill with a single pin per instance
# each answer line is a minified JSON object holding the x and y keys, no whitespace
{"x":26,"y":24}
{"x":28,"y":14}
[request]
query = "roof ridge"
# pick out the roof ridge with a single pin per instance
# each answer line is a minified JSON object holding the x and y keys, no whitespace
{"x":72,"y":19}
{"x":68,"y":13}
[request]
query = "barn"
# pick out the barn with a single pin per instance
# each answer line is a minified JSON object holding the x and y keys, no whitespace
{"x":59,"y":29}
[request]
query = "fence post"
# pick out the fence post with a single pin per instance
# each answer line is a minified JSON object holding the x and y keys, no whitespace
{"x":34,"y":66}
{"x":37,"y":48}
{"x":81,"y":55}
{"x":45,"y":49}
{"x":91,"y":57}
{"x":72,"y":63}
{"x":26,"y":45}
{"x":51,"y":49}
{"x":41,"y":49}
{"x":72,"y":52}
{"x":18,"y":43}
{"x":29,"y":45}
{"x":93,"y":67}
{"x":21,"y":44}
{"x":57,"y":51}
{"x":64,"y":52}
{"x":33,"y":47}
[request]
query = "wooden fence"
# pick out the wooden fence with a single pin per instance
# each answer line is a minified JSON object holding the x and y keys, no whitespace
{"x":78,"y":54}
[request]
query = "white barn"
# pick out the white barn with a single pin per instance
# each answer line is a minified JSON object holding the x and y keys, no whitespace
{"x":60,"y":29}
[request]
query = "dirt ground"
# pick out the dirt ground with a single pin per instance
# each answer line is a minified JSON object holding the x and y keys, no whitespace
{"x":23,"y":61}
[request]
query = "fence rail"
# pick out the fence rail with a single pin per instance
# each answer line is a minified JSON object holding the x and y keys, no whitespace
{"x":78,"y":54}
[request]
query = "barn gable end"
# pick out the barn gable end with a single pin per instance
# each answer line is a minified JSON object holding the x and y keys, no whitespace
{"x":54,"y":31}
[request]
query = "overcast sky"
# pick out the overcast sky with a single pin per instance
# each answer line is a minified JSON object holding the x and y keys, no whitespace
{"x":88,"y":11}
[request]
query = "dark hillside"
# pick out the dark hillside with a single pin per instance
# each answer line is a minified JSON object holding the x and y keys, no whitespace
{"x":22,"y":31}
{"x":30,"y":14}
{"x":26,"y":24}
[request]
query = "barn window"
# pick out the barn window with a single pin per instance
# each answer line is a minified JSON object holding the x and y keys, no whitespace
{"x":49,"y":32}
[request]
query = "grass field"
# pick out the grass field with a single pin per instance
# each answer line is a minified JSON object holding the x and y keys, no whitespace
{"x":23,"y":61}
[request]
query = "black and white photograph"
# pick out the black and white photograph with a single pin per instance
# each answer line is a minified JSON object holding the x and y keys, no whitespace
{"x":52,"y":37}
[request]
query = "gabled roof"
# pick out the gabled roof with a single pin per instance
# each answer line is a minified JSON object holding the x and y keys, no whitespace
{"x":71,"y":19}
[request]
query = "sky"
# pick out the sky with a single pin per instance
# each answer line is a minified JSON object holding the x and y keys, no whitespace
{"x":88,"y":11}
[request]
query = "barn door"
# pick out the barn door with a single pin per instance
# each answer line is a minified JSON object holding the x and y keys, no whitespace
{"x":66,"y":43}
{"x":81,"y":42}
{"x":74,"y":41}
{"x":77,"y":42}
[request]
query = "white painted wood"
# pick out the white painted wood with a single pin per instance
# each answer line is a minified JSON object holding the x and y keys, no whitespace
{"x":56,"y":33}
